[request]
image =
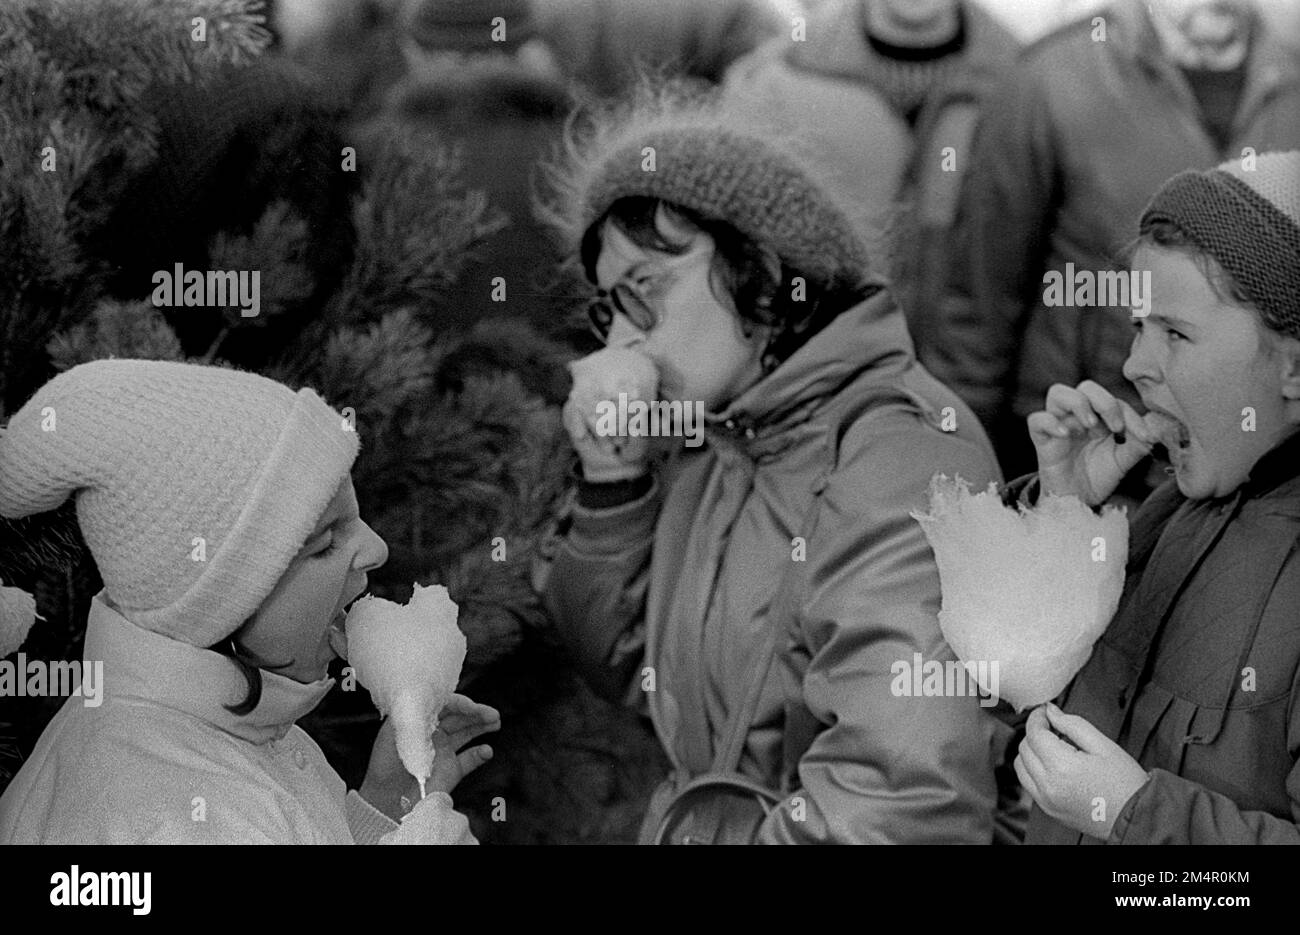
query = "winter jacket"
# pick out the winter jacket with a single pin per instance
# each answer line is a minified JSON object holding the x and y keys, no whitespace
{"x":1198,"y":675}
{"x":801,"y":492}
{"x":161,"y":761}
{"x":1082,"y":135}
{"x":853,"y":106}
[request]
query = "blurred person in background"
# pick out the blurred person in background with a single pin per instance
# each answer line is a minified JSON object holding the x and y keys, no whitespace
{"x":1096,"y":115}
{"x":481,"y":79}
{"x":887,"y":91}
{"x":351,"y":45}
{"x":606,"y":44}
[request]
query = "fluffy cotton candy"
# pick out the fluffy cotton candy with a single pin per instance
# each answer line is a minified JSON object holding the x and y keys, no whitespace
{"x":409,"y":657}
{"x":603,"y":375}
{"x":1029,"y":590}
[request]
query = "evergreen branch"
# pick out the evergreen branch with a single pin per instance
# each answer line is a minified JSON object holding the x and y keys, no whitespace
{"x":116,"y":329}
{"x":416,"y":224}
{"x":277,"y":249}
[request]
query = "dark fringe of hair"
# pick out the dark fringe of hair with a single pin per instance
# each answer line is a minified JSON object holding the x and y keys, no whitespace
{"x":249,"y":667}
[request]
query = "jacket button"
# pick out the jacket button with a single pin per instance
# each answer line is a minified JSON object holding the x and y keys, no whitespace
{"x":299,"y":759}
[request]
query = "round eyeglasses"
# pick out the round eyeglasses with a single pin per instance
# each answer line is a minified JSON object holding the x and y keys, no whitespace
{"x":623,"y":299}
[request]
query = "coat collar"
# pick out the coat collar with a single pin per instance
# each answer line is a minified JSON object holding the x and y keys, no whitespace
{"x":1275,"y":468}
{"x":141,"y":664}
{"x":870,"y":335}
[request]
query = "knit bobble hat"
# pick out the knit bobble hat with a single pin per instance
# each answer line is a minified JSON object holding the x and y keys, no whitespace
{"x":1245,"y":214}
{"x":195,"y":486}
{"x":719,"y":163}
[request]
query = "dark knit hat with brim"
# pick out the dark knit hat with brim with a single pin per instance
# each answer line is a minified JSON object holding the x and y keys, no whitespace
{"x":719,"y":164}
{"x":1245,"y":214}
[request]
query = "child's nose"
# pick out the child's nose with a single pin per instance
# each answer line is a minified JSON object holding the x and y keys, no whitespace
{"x":373,"y":552}
{"x":1139,"y":365}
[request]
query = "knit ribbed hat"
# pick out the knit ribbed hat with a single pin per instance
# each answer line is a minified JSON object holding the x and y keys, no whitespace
{"x":720,"y":163}
{"x":468,"y":25}
{"x":195,"y":486}
{"x":1248,"y":219}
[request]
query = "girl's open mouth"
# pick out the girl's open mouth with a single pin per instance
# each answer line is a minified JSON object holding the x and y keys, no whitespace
{"x":1171,"y":432}
{"x":337,"y":634}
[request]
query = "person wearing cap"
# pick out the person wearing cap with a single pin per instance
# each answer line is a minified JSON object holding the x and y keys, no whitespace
{"x":1089,"y":122}
{"x":778,"y":556}
{"x":1183,"y":727}
{"x":220,"y":513}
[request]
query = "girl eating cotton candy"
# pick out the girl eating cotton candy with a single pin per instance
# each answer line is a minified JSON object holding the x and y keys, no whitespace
{"x":1184,"y":724}
{"x":220,"y":513}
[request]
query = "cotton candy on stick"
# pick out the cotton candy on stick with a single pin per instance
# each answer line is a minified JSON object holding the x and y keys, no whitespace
{"x":1031,"y":590}
{"x":601,"y":376}
{"x":409,"y":657}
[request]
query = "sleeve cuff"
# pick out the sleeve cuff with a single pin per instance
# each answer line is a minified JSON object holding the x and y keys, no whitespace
{"x":367,"y":823}
{"x":607,"y":530}
{"x":595,"y":496}
{"x":1124,"y":821}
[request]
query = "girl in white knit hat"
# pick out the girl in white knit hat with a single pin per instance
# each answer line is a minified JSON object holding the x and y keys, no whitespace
{"x":220,"y":512}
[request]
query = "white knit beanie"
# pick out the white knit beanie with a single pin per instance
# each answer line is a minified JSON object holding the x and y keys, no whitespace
{"x":195,"y":486}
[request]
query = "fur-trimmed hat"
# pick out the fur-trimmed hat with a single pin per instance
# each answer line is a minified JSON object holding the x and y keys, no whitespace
{"x":195,"y":486}
{"x":716,"y":161}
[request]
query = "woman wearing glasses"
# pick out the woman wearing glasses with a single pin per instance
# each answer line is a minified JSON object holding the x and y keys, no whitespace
{"x":757,"y":595}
